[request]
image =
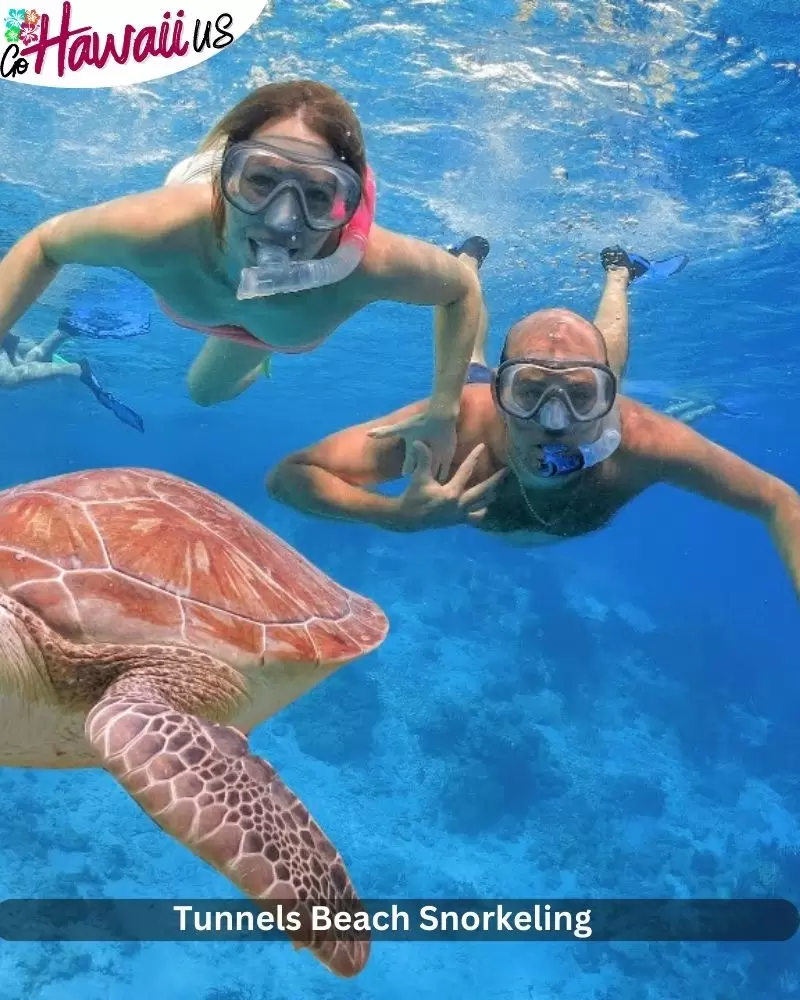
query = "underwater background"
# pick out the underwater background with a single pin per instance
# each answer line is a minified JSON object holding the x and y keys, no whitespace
{"x":612,"y":717}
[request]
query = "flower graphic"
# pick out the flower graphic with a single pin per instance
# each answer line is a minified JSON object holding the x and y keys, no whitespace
{"x":12,"y":35}
{"x":28,"y":35}
{"x":15,"y":19}
{"x":32,"y":18}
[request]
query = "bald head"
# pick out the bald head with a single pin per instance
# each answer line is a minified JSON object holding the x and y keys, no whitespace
{"x":555,"y":334}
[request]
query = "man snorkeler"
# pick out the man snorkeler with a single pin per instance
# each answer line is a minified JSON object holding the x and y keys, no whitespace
{"x":547,"y":447}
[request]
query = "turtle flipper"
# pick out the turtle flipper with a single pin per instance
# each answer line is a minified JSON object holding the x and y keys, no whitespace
{"x":199,"y":782}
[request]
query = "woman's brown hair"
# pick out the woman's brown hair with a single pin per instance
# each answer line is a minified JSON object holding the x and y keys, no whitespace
{"x":321,"y":108}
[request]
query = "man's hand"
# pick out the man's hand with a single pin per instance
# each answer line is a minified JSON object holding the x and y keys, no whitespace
{"x":430,"y":504}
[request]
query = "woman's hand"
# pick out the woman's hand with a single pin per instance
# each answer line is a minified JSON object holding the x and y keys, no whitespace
{"x":437,"y":433}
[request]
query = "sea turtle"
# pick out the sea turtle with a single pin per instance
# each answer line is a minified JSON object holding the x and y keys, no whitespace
{"x":146,"y":626}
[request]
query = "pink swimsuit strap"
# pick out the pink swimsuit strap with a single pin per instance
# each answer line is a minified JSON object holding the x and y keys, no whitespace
{"x":235,"y":333}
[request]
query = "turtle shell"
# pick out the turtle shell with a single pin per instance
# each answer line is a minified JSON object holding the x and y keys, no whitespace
{"x":142,"y":557}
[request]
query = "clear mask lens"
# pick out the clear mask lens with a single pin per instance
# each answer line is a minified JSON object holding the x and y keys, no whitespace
{"x":557,"y":395}
{"x":255,"y":174}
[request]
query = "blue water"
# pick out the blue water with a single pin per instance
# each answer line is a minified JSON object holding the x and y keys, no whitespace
{"x":616,"y":716}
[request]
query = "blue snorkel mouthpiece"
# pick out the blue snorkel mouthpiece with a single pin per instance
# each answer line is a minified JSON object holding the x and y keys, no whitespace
{"x":559,"y":460}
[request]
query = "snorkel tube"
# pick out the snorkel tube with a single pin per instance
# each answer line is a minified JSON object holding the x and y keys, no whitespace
{"x":276,"y":272}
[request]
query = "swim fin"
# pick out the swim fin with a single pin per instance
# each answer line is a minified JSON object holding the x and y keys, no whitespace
{"x":105,"y":398}
{"x":732,"y":409}
{"x":10,"y":346}
{"x":640,"y":268}
{"x":103,"y":324}
{"x":476,"y":247}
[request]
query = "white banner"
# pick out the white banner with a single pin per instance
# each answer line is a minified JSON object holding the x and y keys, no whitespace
{"x":102,"y":43}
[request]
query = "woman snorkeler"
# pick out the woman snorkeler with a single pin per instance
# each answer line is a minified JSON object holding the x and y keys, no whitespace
{"x":265,"y":240}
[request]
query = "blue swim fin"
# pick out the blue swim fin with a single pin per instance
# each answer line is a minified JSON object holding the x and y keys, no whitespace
{"x":659,"y":270}
{"x":103,"y":324}
{"x":734,"y":408}
{"x":105,"y":398}
{"x":640,"y":268}
{"x":10,"y":346}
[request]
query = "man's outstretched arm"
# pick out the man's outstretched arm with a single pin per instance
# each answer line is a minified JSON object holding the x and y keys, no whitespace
{"x":685,"y":458}
{"x":333,"y":477}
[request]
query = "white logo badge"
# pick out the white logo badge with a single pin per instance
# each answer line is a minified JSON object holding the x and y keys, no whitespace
{"x":98,"y":43}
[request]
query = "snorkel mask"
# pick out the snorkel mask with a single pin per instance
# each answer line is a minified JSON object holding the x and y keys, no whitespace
{"x":293,"y":186}
{"x":557,"y":394}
